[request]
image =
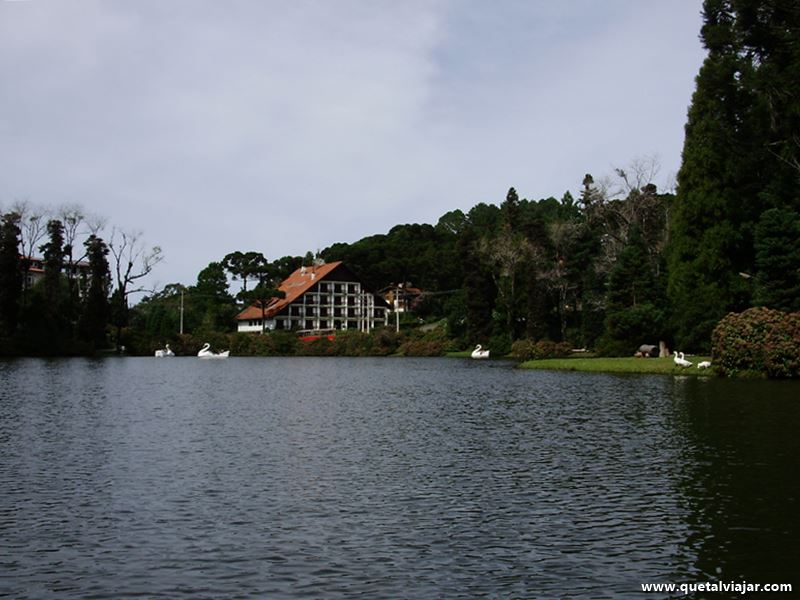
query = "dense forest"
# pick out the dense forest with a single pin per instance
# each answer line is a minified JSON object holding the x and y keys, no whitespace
{"x":621,"y":264}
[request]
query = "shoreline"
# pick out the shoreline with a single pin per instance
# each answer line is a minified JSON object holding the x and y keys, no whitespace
{"x":648,"y":366}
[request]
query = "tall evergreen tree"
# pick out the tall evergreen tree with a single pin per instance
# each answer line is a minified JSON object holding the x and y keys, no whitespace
{"x":633,"y":313}
{"x":96,"y":308}
{"x":777,"y":246}
{"x":480,"y":291}
{"x":10,"y":273}
{"x":210,"y":298}
{"x":737,"y":158}
{"x":55,"y":291}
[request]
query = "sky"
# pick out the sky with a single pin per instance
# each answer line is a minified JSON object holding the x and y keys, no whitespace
{"x":283,"y":127}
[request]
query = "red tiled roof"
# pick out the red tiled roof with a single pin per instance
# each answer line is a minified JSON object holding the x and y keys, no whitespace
{"x":294,"y":286}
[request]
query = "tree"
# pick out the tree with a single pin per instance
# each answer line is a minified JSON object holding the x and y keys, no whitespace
{"x":132,"y":262}
{"x":158,"y":315}
{"x":211,"y":300}
{"x":96,"y":310}
{"x":10,"y":272}
{"x":54,"y":292}
{"x":76,"y":224}
{"x":32,"y":228}
{"x":777,"y":245}
{"x":556,"y":269}
{"x":265,"y":292}
{"x":452,"y":222}
{"x":737,"y":159}
{"x":633,"y":316}
{"x":281,"y":268}
{"x":262,"y":296}
{"x":244,"y":265}
{"x":480,"y":291}
{"x":629,"y":200}
{"x":507,"y":252}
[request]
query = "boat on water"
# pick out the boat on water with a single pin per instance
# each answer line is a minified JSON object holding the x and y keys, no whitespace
{"x":165,"y":352}
{"x":205,"y":352}
{"x":479,"y":352}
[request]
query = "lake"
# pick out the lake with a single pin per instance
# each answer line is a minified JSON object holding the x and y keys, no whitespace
{"x":388,"y":478}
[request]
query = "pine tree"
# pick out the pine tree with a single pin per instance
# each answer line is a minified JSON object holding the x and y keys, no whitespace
{"x":737,"y":159}
{"x":10,"y":273}
{"x":479,"y":289}
{"x":215,"y":306}
{"x":55,"y":291}
{"x":633,"y":316}
{"x":96,"y":308}
{"x":777,"y":246}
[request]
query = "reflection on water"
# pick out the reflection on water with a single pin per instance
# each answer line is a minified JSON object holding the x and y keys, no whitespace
{"x":740,"y":485}
{"x":386,"y":478}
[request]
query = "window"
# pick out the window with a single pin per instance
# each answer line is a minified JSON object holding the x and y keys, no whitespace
{"x":309,"y":324}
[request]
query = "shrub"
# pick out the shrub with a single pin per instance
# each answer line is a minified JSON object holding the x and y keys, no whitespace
{"x":384,"y":342}
{"x":319,"y":347}
{"x":758,"y":341}
{"x":530,"y":350}
{"x":422,"y":348}
{"x":499,"y":345}
{"x":351,"y":343}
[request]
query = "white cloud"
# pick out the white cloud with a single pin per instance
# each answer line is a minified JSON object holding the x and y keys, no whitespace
{"x":283,"y":127}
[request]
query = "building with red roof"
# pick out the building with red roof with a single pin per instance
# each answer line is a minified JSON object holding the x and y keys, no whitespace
{"x":320,"y":298}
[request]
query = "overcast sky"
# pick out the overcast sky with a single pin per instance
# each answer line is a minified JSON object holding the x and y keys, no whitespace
{"x":283,"y":127}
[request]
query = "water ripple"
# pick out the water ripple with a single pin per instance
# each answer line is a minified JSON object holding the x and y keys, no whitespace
{"x":380,"y":478}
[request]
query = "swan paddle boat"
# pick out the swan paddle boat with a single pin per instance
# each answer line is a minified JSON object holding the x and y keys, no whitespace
{"x":479,"y":352}
{"x":205,"y":352}
{"x":165,"y":352}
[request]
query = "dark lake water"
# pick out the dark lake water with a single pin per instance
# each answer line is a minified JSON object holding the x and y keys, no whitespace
{"x":388,"y":478}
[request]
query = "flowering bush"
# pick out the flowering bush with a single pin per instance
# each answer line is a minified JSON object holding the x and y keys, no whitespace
{"x":758,"y":341}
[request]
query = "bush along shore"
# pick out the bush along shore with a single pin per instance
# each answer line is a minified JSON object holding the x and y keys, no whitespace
{"x":758,"y":342}
{"x":382,"y":342}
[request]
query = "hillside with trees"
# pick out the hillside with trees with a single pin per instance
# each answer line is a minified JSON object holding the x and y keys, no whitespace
{"x":620,"y":265}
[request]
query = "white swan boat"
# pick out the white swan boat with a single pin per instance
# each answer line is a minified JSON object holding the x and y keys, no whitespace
{"x":205,"y":352}
{"x":165,"y":352}
{"x":479,"y":352}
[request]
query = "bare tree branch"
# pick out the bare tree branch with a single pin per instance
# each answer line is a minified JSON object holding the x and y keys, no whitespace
{"x":132,"y":259}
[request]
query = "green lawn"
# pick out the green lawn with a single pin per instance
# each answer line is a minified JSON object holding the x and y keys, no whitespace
{"x":620,"y":365}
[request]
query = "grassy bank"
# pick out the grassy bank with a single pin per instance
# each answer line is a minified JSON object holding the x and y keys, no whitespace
{"x":620,"y":365}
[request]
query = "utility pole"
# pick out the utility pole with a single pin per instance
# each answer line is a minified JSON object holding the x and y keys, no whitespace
{"x":181,"y":312}
{"x":397,"y":307}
